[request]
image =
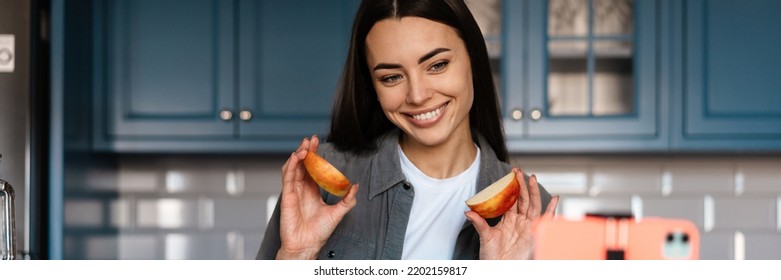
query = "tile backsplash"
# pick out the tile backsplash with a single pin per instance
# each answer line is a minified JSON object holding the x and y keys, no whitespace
{"x":216,"y":207}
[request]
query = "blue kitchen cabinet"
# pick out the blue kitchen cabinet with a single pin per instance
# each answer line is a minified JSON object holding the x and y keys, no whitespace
{"x":573,"y":83}
{"x":168,"y":67}
{"x":728,"y":96}
{"x":291,"y":55}
{"x":216,"y":76}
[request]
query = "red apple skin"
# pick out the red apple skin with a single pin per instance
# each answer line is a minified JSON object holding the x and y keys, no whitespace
{"x":326,"y":175}
{"x":499,"y":203}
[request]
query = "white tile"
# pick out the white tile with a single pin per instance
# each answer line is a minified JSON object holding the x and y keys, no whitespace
{"x":561,"y":180}
{"x":271,"y":204}
{"x":83,"y":213}
{"x":265,"y":176}
{"x":626,"y":179}
{"x":168,"y":213}
{"x":100,"y":179}
{"x":252,"y":241}
{"x":745,"y":213}
{"x":121,"y":247}
{"x":101,"y":248}
{"x":236,"y":246}
{"x":180,"y":246}
{"x":121,"y":213}
{"x":702,"y":177}
{"x":678,"y":208}
{"x":133,"y":180}
{"x":763,"y":246}
{"x":717,"y":245}
{"x":761,"y":177}
{"x":577,"y":207}
{"x":235,"y":182}
{"x":240,"y":213}
{"x":196,"y":180}
{"x":139,"y":247}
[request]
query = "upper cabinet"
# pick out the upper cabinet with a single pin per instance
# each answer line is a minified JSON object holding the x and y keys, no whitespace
{"x":728,"y":94}
{"x":581,"y":75}
{"x":291,"y":54}
{"x":574,"y":75}
{"x":165,"y":67}
{"x":214,"y":75}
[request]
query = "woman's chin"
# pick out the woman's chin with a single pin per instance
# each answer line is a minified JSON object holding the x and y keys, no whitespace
{"x":432,"y":137}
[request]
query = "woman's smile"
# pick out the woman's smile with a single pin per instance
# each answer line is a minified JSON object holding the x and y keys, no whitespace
{"x":427,"y":118}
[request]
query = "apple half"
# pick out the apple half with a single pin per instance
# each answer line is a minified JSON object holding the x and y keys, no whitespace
{"x":326,"y":175}
{"x":497,"y":198}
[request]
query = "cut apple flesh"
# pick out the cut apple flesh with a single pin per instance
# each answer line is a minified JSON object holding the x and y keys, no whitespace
{"x":497,"y":198}
{"x":326,"y":175}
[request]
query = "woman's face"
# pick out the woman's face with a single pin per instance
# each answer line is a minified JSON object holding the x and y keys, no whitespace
{"x":423,"y":78}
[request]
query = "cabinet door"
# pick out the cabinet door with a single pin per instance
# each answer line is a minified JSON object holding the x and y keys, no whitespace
{"x":583,"y":73}
{"x":731,"y":69}
{"x":169,"y":67}
{"x":291,"y":54}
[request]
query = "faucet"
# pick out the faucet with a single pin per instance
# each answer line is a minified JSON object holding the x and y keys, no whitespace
{"x":8,"y":248}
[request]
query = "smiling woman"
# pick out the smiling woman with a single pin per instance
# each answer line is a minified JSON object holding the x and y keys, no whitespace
{"x":423,"y":79}
{"x":416,"y":124}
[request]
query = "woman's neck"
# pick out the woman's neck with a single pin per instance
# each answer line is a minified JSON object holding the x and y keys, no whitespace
{"x":444,"y":160}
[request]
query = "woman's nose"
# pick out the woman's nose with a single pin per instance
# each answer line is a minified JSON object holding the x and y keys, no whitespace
{"x":419,"y":92}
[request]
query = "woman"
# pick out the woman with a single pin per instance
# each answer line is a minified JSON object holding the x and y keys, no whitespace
{"x":416,"y":125}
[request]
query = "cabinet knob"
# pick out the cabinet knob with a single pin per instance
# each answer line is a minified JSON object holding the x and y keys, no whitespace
{"x":245,"y":115}
{"x":536,"y":114}
{"x":226,"y":115}
{"x":517,"y":114}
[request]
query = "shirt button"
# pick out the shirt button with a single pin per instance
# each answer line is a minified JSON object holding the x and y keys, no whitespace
{"x":331,"y":254}
{"x":406,"y":186}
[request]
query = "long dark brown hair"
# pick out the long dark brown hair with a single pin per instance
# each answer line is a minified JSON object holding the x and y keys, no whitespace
{"x":357,"y":118}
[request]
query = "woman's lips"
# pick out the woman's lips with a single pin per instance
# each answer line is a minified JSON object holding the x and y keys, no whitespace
{"x":428,"y":119}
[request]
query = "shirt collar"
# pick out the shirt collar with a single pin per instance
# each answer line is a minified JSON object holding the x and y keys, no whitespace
{"x":386,"y":169}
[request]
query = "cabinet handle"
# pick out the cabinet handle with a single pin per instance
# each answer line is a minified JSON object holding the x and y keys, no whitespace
{"x":536,"y":114}
{"x":226,"y":115}
{"x":516,"y":114}
{"x":245,"y":115}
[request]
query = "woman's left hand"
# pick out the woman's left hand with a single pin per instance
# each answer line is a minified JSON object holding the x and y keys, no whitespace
{"x":513,"y":236}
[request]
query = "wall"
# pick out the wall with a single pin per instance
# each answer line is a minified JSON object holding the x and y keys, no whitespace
{"x":215,"y":207}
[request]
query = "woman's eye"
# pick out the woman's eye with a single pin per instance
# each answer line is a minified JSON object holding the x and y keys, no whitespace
{"x":439,"y":66}
{"x":390,"y":79}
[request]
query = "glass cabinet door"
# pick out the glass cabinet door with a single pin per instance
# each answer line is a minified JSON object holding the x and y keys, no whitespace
{"x":590,"y":58}
{"x":581,"y":68}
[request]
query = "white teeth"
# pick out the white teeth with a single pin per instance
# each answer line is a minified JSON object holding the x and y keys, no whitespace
{"x":428,"y":115}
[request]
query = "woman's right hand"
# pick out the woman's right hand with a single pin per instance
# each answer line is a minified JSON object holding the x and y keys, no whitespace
{"x":306,"y":221}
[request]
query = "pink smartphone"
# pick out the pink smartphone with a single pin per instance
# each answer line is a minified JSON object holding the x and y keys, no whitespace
{"x":616,"y":238}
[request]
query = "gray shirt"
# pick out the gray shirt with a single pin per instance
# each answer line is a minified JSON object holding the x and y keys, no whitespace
{"x":376,"y":226}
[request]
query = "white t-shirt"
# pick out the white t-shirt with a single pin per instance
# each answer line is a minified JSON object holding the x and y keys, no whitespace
{"x":437,"y":211}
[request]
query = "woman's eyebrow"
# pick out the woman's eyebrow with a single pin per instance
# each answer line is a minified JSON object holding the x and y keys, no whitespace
{"x":423,"y":58}
{"x":386,"y":66}
{"x":432,"y":54}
